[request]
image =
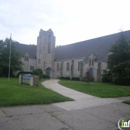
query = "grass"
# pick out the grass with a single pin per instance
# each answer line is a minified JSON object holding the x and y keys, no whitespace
{"x":12,"y":93}
{"x":127,"y":102}
{"x":103,"y":90}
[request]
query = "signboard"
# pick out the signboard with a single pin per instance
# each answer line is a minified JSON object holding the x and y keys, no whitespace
{"x":26,"y":78}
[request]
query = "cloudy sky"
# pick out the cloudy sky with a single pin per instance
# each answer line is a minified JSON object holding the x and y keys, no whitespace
{"x":70,"y":20}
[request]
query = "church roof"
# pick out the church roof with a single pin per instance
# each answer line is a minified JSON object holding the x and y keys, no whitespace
{"x":98,"y":46}
{"x":23,"y":48}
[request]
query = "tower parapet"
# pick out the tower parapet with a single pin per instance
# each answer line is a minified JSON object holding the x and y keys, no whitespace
{"x":45,"y":51}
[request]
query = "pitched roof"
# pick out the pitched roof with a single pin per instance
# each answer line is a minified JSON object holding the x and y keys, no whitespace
{"x":23,"y":48}
{"x":98,"y":46}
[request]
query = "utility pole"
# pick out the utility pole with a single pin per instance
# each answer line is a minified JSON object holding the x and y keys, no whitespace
{"x":9,"y":57}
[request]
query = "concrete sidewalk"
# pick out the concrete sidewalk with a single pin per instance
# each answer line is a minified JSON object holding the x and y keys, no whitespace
{"x":81,"y":100}
{"x":96,"y":113}
{"x":51,"y":117}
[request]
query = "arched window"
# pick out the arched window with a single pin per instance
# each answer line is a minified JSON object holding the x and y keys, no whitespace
{"x":92,"y":62}
{"x":49,"y":44}
{"x":26,"y":56}
{"x":58,"y":66}
{"x":92,"y":59}
{"x":79,"y":65}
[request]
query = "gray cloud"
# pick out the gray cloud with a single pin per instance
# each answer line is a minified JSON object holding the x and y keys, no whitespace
{"x":71,"y":20}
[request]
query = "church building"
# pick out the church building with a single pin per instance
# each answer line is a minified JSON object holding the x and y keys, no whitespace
{"x":72,"y":60}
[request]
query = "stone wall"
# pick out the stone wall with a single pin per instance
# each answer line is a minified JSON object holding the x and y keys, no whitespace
{"x":65,"y":73}
{"x":26,"y":64}
{"x":45,"y":50}
{"x":45,"y":54}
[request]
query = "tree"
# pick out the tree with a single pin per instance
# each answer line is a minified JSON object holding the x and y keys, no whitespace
{"x":37,"y":72}
{"x":88,"y":76}
{"x":119,"y":61}
{"x":4,"y":58}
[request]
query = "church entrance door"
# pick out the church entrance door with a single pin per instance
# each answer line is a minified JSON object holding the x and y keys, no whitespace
{"x":48,"y":70}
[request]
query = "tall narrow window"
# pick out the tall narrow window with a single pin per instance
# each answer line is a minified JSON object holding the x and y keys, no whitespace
{"x":68,"y":66}
{"x":72,"y":65}
{"x":39,"y":61}
{"x":49,"y":44}
{"x":26,"y":58}
{"x":90,"y":62}
{"x":61,"y":66}
{"x":58,"y":66}
{"x":31,"y":67}
{"x":40,"y":48}
{"x":78,"y":65}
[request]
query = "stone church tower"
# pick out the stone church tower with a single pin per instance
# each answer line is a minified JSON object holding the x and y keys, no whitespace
{"x":45,"y":51}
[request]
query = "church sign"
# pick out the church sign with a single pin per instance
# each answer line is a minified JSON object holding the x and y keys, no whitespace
{"x":26,"y":78}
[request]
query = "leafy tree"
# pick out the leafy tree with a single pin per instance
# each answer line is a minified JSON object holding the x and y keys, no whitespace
{"x":119,"y":61}
{"x":4,"y":58}
{"x":37,"y":72}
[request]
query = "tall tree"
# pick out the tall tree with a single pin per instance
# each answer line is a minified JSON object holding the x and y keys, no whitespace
{"x":4,"y":58}
{"x":119,"y":61}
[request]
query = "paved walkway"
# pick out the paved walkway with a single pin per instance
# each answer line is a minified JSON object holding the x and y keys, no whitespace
{"x":98,"y":114}
{"x":51,"y":117}
{"x":81,"y":100}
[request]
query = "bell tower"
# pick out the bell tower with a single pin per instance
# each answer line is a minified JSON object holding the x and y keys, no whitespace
{"x":45,"y":51}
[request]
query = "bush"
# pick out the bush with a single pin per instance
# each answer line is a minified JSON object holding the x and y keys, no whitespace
{"x":37,"y":72}
{"x":75,"y":78}
{"x":1,"y":72}
{"x":65,"y":78}
{"x":84,"y":79}
{"x":45,"y":76}
{"x":123,"y":81}
{"x":106,"y":77}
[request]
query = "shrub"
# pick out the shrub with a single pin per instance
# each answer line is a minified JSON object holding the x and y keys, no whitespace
{"x":37,"y":72}
{"x":91,"y":79}
{"x":106,"y":77}
{"x":75,"y":78}
{"x":65,"y":78}
{"x":1,"y":72}
{"x":45,"y":76}
{"x":84,"y":79}
{"x":123,"y":81}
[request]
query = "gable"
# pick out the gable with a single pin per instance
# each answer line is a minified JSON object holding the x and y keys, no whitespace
{"x":23,"y":48}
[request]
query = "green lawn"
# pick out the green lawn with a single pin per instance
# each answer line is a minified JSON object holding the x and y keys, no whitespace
{"x":104,"y":90}
{"x":13,"y":93}
{"x":127,"y":102}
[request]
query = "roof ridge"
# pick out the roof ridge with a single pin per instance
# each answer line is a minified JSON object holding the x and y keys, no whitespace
{"x":93,"y":38}
{"x":98,"y":46}
{"x":24,"y":44}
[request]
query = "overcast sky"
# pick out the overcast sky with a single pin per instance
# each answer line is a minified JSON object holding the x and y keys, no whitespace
{"x":70,"y":20}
